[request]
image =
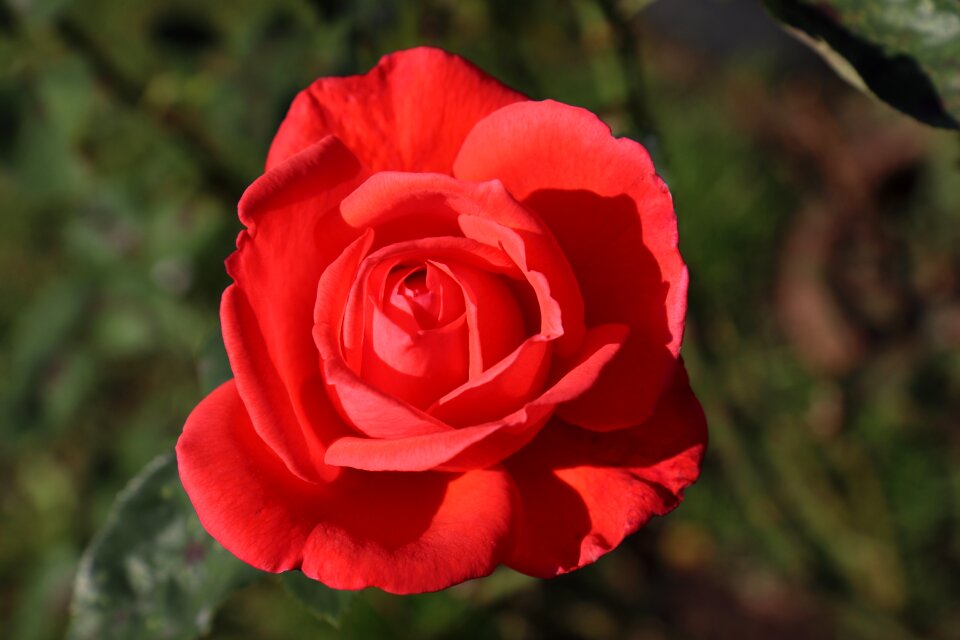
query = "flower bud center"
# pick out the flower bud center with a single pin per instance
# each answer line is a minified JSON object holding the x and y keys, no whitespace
{"x":423,"y":303}
{"x":424,"y":293}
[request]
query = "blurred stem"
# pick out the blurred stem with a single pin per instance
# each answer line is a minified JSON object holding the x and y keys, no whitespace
{"x":628,"y":45}
{"x":864,"y":557}
{"x":732,"y":432}
{"x":761,"y":510}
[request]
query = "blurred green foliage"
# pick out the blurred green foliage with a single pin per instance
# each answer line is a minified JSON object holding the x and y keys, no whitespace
{"x":821,"y":231}
{"x":152,"y":571}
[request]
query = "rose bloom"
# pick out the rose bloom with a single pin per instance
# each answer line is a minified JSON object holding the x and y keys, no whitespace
{"x":454,"y":327}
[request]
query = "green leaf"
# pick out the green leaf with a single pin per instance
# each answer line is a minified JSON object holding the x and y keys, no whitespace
{"x":327,"y":604}
{"x":153,"y":572}
{"x":906,"y":52}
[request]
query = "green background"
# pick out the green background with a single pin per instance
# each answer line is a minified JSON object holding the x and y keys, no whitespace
{"x":821,"y":229}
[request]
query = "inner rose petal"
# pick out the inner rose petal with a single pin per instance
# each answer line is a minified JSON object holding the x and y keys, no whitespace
{"x":403,"y":207}
{"x":369,"y":410}
{"x":460,"y":323}
{"x":431,"y":327}
{"x":481,"y":445}
{"x":422,"y":296}
{"x":418,"y":366}
{"x":412,"y":349}
{"x":494,"y":319}
{"x":382,"y":362}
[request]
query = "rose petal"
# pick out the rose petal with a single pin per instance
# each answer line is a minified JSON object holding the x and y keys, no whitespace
{"x":376,"y":268}
{"x":479,"y":446}
{"x":494,"y":319}
{"x":415,"y":367}
{"x":582,"y":492}
{"x":498,"y":391}
{"x":561,"y":316}
{"x":368,"y":409}
{"x":414,"y":358}
{"x":600,"y":347}
{"x":421,"y":297}
{"x":403,"y":207}
{"x":267,"y":314}
{"x":614,"y":221}
{"x":265,"y":396}
{"x":383,"y":115}
{"x":403,"y":533}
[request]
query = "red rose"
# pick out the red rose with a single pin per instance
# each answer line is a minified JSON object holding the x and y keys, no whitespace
{"x":454,"y":325}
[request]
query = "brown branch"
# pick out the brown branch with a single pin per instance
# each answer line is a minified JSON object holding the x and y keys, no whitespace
{"x":626,"y":40}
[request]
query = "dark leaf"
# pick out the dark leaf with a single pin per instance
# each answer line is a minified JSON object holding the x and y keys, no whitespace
{"x":906,"y":52}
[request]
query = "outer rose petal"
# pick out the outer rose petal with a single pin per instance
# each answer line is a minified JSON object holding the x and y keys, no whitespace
{"x":614,"y":221}
{"x":409,"y":113}
{"x":403,"y":533}
{"x":582,"y":492}
{"x":267,"y":314}
{"x":267,"y":401}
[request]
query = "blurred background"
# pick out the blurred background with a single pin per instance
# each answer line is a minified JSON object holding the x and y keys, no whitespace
{"x":821,"y":228}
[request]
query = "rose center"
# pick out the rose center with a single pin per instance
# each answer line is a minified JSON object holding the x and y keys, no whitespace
{"x":424,"y":294}
{"x":421,"y":301}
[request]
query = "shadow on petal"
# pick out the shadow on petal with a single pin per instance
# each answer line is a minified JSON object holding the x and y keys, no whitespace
{"x":581,"y":492}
